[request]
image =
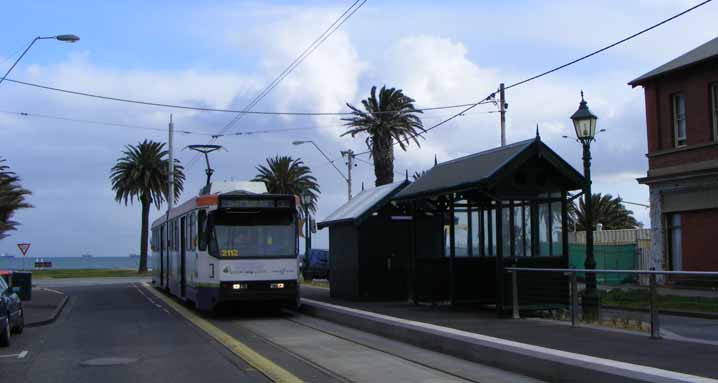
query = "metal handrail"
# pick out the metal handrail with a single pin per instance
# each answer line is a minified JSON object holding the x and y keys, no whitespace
{"x":653,"y":295}
{"x":617,"y":271}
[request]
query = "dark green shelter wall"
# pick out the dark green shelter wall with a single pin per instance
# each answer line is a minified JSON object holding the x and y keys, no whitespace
{"x":343,"y":261}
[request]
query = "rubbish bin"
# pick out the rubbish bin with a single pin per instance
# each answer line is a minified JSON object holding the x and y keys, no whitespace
{"x":23,"y":280}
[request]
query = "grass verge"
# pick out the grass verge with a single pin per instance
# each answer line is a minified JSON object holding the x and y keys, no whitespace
{"x":86,"y":273}
{"x":638,"y":299}
{"x":314,"y":283}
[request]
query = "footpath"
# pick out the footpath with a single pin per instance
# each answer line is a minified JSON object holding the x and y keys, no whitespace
{"x":45,"y":306}
{"x":538,"y":348}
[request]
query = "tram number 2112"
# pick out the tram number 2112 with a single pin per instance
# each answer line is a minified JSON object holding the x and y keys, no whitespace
{"x":229,"y":252}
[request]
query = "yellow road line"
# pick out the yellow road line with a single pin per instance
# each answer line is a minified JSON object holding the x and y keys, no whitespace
{"x":265,"y":366}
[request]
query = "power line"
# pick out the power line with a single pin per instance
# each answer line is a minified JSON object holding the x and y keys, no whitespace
{"x":205,"y":109}
{"x":129,"y":126}
{"x":493,"y":94}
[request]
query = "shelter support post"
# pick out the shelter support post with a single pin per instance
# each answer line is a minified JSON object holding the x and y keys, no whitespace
{"x":512,"y":239}
{"x":482,"y":227}
{"x":564,"y":226}
{"x":452,"y":251}
{"x":499,"y":259}
{"x":469,"y":230}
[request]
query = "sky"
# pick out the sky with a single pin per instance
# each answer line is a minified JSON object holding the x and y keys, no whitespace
{"x":220,"y":54}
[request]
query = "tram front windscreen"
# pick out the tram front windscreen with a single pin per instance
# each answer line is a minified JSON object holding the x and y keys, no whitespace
{"x":260,"y":234}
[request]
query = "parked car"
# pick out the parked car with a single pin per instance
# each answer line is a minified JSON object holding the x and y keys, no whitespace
{"x":317,"y":266}
{"x":12,"y":319}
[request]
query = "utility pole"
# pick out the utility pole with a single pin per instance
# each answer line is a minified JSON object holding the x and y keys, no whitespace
{"x":171,"y":175}
{"x":502,"y":111}
{"x":350,"y":164}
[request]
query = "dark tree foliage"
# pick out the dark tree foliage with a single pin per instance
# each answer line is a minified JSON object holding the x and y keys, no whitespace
{"x":607,"y":210}
{"x":286,"y":175}
{"x":142,"y":173}
{"x":12,"y":198}
{"x":391,"y":117}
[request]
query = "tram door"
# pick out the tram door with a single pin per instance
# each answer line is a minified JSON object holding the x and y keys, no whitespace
{"x":162,"y":255}
{"x":182,"y":256}
{"x":168,"y":253}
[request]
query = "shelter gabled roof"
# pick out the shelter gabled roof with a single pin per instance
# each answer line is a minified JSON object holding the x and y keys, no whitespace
{"x":700,"y":54}
{"x":363,"y":204}
{"x":481,"y":168}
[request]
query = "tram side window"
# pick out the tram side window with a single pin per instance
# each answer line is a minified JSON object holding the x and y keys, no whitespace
{"x":192,"y":236}
{"x":202,"y":230}
{"x":177,"y":232}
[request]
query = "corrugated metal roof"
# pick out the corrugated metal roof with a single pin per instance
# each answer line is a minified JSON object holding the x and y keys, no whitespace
{"x":464,"y":170}
{"x":701,"y":53}
{"x":367,"y":201}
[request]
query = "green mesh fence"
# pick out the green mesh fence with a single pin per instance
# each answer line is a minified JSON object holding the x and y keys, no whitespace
{"x":622,"y":257}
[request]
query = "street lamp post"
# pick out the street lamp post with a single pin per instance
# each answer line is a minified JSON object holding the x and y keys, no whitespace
{"x":306,"y":202}
{"x":64,"y":38}
{"x":584,"y":122}
{"x":350,"y":162}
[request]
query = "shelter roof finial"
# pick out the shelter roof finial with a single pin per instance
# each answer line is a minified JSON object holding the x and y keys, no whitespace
{"x":538,"y":136}
{"x":407,"y":174}
{"x":436,"y":160}
{"x":362,"y":186}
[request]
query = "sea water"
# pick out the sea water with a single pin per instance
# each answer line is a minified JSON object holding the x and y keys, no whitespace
{"x":27,"y":263}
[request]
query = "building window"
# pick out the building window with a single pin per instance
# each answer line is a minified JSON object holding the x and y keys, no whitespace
{"x":679,"y":119}
{"x":714,"y":109}
{"x":674,"y":241}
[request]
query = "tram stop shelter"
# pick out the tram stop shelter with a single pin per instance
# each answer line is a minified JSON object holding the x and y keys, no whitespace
{"x":370,"y":245}
{"x":502,"y":207}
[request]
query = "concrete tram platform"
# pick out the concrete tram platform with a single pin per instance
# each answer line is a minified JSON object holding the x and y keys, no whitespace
{"x":536,"y":348}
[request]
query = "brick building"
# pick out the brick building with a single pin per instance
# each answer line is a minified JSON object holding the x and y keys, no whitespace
{"x":682,"y":125}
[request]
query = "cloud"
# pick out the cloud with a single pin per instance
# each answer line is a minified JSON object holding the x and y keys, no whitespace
{"x":437,"y":55}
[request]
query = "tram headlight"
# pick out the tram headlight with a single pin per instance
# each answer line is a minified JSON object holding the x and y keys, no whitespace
{"x":239,"y":286}
{"x":277,"y":285}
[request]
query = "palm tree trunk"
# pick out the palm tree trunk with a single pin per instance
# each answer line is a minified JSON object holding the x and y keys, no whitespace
{"x":383,"y":152}
{"x":144,"y":235}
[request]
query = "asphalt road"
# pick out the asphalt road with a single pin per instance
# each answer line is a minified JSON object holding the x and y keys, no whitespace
{"x":123,"y":332}
{"x":112,"y":333}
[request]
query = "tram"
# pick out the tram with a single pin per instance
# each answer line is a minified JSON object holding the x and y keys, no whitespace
{"x":232,"y":243}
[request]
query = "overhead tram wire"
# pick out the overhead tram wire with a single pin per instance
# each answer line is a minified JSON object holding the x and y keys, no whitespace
{"x":293,"y":65}
{"x":529,"y":79}
{"x":204,"y":109}
{"x":297,"y":61}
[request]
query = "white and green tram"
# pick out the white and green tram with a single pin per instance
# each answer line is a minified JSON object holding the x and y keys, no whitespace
{"x":235,"y":243}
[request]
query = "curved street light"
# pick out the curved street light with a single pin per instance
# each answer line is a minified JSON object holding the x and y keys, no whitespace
{"x":69,"y":38}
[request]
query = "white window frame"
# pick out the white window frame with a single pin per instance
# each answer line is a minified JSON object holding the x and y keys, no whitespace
{"x":678,"y":140}
{"x":714,"y":109}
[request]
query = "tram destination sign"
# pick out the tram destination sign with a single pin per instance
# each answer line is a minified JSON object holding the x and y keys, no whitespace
{"x":253,"y":203}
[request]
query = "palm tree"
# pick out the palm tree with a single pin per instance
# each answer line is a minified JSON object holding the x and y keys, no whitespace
{"x":286,"y":175}
{"x":388,"y":119}
{"x":143,"y":173}
{"x":607,"y":210}
{"x":12,"y":198}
